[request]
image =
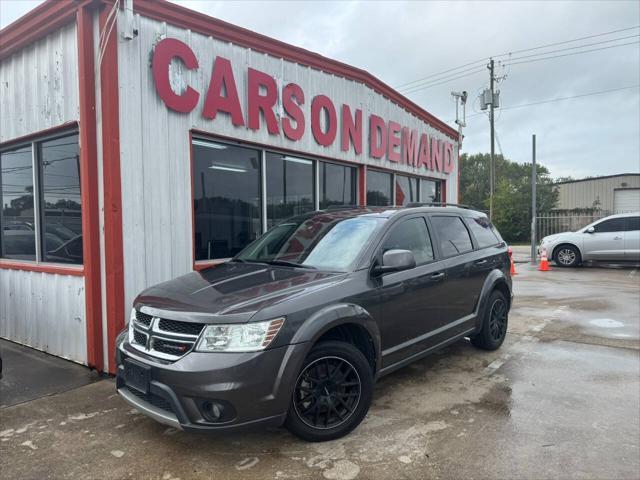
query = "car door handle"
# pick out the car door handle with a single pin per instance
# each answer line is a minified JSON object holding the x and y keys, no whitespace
{"x":437,"y":276}
{"x":617,"y":238}
{"x":481,"y":262}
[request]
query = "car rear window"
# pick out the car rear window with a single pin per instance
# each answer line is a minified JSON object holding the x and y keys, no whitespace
{"x":454,"y":236}
{"x":483,"y":231}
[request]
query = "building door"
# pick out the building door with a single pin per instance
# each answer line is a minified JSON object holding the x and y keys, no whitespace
{"x":626,"y":200}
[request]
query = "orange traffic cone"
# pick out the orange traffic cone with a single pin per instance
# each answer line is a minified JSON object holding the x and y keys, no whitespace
{"x":544,"y":262}
{"x":513,"y":264}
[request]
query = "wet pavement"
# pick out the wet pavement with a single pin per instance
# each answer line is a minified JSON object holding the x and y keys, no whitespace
{"x":560,"y":399}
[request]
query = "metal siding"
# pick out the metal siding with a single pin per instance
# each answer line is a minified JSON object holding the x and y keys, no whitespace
{"x":155,"y":150}
{"x":44,"y":311}
{"x":39,"y":85}
{"x":583,"y":194}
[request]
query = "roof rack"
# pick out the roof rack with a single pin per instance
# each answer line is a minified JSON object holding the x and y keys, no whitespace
{"x":343,"y":207}
{"x":438,"y":204}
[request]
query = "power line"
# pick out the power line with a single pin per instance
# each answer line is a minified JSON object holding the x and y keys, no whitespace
{"x":440,"y":81}
{"x":552,"y":100}
{"x":574,"y":53}
{"x":409,"y":85}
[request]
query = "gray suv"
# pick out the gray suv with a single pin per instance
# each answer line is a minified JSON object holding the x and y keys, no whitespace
{"x":297,"y":327}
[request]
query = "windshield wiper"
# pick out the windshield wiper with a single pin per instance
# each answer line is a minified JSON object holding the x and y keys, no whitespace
{"x":286,"y":263}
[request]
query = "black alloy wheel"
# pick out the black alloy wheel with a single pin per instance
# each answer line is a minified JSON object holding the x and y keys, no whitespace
{"x":332,"y":393}
{"x":327,"y":392}
{"x":494,"y":323}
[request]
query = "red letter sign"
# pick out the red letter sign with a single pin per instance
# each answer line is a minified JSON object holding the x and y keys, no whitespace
{"x":394,"y":141}
{"x":292,"y":98}
{"x":424,"y":157}
{"x":448,"y":157}
{"x":165,"y":51}
{"x":436,"y":154}
{"x":318,"y":104}
{"x":351,"y":130}
{"x":377,"y":130}
{"x":222,"y":74}
{"x":410,"y":146}
{"x":264,"y":103}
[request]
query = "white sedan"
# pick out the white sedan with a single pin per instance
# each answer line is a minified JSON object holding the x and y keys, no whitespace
{"x":614,"y":238}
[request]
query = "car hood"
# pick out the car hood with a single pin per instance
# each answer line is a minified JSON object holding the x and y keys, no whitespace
{"x":230,"y":292}
{"x":561,"y":237}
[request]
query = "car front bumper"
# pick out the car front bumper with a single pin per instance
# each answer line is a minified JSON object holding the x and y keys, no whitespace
{"x":252,"y":388}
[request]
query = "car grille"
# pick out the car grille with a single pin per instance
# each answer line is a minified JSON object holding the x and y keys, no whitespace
{"x":153,"y":399}
{"x":163,"y":338}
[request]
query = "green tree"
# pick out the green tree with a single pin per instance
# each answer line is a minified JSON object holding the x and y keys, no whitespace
{"x":512,"y":197}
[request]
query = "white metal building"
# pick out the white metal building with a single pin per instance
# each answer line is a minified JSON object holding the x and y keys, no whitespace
{"x":612,"y":193}
{"x":140,"y":140}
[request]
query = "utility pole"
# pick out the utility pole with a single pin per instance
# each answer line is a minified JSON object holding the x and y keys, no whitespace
{"x":534,"y":179}
{"x":492,"y":172}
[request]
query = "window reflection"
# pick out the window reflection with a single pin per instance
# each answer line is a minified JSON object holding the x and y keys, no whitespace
{"x":379,"y":188}
{"x":337,"y":185}
{"x":226,"y":198}
{"x":18,"y":227}
{"x":289,"y":187}
{"x":61,"y":201}
{"x":430,"y":191}
{"x":406,"y":190}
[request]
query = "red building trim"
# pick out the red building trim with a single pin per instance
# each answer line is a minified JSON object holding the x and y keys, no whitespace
{"x":113,"y":248}
{"x":89,"y":188}
{"x":53,"y":268}
{"x":182,"y":17}
{"x":62,"y":128}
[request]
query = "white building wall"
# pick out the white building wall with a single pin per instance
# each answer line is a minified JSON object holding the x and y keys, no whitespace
{"x":40,"y":85}
{"x":38,"y":91}
{"x":44,"y":311}
{"x":155,"y":150}
{"x":594,"y":192}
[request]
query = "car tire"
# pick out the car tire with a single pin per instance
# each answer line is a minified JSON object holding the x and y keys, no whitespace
{"x":567,"y":256}
{"x":332,"y":393}
{"x":494,"y":323}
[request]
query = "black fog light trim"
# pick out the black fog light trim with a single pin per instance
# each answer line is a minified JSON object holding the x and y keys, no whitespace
{"x":217,"y":411}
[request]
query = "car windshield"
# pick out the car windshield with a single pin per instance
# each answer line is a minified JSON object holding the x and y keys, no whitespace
{"x":324,"y":242}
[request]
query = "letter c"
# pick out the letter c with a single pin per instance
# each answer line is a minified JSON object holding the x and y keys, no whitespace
{"x":166,"y":50}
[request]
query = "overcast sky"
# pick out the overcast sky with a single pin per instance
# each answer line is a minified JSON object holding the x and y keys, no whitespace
{"x":400,"y":42}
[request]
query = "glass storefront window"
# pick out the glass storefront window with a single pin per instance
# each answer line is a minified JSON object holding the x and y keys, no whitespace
{"x":226,"y":200}
{"x":289,"y":187}
{"x":18,"y":221}
{"x":430,"y":191}
{"x":406,"y":190}
{"x":42,"y":222}
{"x":61,"y":201}
{"x":337,"y":185}
{"x":379,"y":188}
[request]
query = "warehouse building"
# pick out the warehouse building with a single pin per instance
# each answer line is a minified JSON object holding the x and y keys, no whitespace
{"x":140,"y":140}
{"x":611,"y":194}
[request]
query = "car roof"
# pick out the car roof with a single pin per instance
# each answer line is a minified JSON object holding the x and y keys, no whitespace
{"x":622,"y":215}
{"x":350,"y":211}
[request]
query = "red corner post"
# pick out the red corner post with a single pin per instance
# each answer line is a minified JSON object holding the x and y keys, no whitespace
{"x":114,"y":259}
{"x":89,"y":187}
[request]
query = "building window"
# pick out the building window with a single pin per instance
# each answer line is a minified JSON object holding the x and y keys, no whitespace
{"x":406,"y":190}
{"x":430,"y":191}
{"x":379,"y":188}
{"x":226,"y":198}
{"x":337,"y":185}
{"x":290,"y":183}
{"x":41,"y":214}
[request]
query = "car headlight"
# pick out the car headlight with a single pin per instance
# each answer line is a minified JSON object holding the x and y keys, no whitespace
{"x":246,"y":337}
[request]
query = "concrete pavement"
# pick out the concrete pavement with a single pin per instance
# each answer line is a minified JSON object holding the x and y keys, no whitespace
{"x":559,"y":400}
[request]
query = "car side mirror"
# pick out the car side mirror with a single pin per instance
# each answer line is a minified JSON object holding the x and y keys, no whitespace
{"x":395,"y":261}
{"x":590,"y":230}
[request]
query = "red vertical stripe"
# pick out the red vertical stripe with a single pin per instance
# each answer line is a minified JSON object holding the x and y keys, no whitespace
{"x":89,"y":188}
{"x":114,"y":259}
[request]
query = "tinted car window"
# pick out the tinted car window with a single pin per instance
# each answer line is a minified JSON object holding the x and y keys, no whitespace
{"x":454,"y":236}
{"x":633,"y":224}
{"x":483,"y":231}
{"x":411,"y":235}
{"x":613,"y":225}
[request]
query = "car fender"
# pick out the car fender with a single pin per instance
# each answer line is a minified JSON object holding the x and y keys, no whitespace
{"x":495,"y":278}
{"x":334,"y":315}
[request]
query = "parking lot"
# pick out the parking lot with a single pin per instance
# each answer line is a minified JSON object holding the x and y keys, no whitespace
{"x":560,"y":399}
